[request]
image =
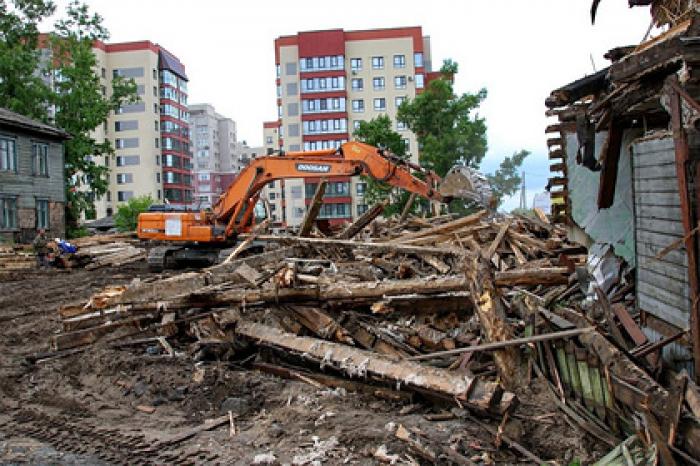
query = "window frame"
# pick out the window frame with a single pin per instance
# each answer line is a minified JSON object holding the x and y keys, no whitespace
{"x":11,"y":159}
{"x":378,"y":62}
{"x":39,"y":224}
{"x":14,"y":224}
{"x":401,"y":63}
{"x":374,"y":104}
{"x":37,"y":159}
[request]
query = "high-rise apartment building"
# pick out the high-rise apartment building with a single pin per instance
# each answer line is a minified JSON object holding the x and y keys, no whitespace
{"x":150,"y":137}
{"x":213,"y":143}
{"x":329,"y":81}
{"x":218,"y":155}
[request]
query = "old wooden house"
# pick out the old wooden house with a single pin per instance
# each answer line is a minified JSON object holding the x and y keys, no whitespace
{"x":32,"y":195}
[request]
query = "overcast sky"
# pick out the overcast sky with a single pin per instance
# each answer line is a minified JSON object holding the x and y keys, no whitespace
{"x":519,"y":50}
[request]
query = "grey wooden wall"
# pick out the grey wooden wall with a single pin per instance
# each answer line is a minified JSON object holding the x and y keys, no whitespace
{"x":662,"y":284}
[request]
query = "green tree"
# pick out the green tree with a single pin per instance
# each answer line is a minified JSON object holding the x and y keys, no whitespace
{"x":81,"y":106}
{"x":21,"y":88}
{"x":377,"y":132}
{"x":447,"y":126}
{"x":127,"y":214}
{"x":506,"y":180}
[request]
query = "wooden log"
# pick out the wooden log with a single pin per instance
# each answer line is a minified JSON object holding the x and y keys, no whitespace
{"x":445,"y":227}
{"x":471,"y":392}
{"x":491,"y":250}
{"x":312,"y":211}
{"x":378,"y":247}
{"x":488,"y":305}
{"x":539,"y":276}
{"x":364,"y":220}
{"x":407,"y":208}
{"x":363,"y":291}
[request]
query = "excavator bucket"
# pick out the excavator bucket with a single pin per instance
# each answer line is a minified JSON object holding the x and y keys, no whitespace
{"x":462,"y":182}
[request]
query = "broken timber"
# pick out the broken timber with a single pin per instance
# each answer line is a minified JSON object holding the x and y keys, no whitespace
{"x":378,"y":247}
{"x":364,"y":220}
{"x":470,"y":392}
{"x":313,"y":210}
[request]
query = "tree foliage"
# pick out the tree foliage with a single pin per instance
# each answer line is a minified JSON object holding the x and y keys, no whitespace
{"x":506,"y":180}
{"x":22,"y":89}
{"x":127,"y":216}
{"x":447,"y":126}
{"x":81,"y":106}
{"x":378,"y":132}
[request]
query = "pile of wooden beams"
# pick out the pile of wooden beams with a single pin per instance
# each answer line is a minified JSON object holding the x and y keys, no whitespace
{"x":99,"y":251}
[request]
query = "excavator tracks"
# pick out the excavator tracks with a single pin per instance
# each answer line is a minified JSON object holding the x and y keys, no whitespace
{"x":111,"y":446}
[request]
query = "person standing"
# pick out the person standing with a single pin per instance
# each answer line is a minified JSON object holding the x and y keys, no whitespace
{"x":41,"y":248}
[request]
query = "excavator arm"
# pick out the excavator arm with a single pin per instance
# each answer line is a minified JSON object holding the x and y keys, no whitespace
{"x":235,"y":207}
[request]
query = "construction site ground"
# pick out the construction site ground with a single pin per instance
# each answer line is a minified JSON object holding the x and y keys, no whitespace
{"x":89,"y":408}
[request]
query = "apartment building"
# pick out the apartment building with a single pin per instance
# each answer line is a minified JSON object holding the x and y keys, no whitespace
{"x":151,"y":137}
{"x":218,"y":155}
{"x":327,"y":83}
{"x":213,"y":138}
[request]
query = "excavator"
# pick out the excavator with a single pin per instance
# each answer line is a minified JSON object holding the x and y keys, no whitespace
{"x":200,"y":236}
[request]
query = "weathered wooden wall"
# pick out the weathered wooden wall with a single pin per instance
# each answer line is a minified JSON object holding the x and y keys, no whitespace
{"x":662,"y":284}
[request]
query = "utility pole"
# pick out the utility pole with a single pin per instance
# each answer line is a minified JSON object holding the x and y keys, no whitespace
{"x":523,"y":195}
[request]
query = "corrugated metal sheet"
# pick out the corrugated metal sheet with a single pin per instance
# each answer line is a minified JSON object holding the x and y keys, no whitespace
{"x":662,"y":284}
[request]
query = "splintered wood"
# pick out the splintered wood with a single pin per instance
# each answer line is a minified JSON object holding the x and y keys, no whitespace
{"x":359,"y":305}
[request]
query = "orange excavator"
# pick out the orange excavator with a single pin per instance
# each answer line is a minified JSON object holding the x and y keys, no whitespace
{"x":201,"y":236}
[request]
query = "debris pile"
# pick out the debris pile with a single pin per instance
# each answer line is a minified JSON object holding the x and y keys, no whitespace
{"x":464,"y":311}
{"x":102,"y":251}
{"x":15,"y":258}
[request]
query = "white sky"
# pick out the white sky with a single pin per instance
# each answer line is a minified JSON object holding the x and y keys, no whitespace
{"x":519,"y":50}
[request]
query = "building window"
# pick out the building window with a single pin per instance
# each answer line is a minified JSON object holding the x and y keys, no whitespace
{"x":268,"y":140}
{"x":40,"y":159}
{"x":356,"y":64}
{"x":361,"y":188}
{"x":356,"y":124}
{"x":124,"y":178}
{"x":123,"y":196}
{"x":378,"y":83}
{"x":418,"y":59}
{"x":155,"y":108}
{"x":400,"y":82}
{"x":358,"y":106}
{"x":157,"y":142}
{"x":8,"y":155}
{"x":377,"y":63}
{"x":126,"y":125}
{"x":399,"y":61}
{"x":277,"y":70}
{"x":398,"y":101}
{"x":328,"y":62}
{"x":157,"y":177}
{"x":128,"y":72}
{"x":334,"y":211}
{"x":131,"y":108}
{"x":126,"y":143}
{"x":103,"y":73}
{"x":400,"y":125}
{"x":361,"y":209}
{"x":380,"y":104}
{"x":420,"y":83}
{"x":8,"y":211}
{"x":42,"y":214}
{"x":357,"y":84}
{"x":406,"y":143}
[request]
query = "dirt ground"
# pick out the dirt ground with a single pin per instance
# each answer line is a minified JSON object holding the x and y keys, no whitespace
{"x":83,"y":409}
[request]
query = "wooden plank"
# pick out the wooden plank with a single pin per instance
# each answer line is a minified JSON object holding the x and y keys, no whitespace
{"x":657,"y":291}
{"x":664,"y":227}
{"x":556,"y":154}
{"x":650,"y":250}
{"x":663,"y":311}
{"x":660,"y":212}
{"x":659,"y":240}
{"x":314,"y":208}
{"x":668,"y":269}
{"x":658,"y":199}
{"x":379,"y":247}
{"x":610,"y":157}
{"x":363,"y":220}
{"x":664,"y":170}
{"x":636,"y":65}
{"x":659,"y":185}
{"x":672,"y":285}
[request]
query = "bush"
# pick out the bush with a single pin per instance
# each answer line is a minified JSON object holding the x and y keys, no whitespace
{"x":127,"y":214}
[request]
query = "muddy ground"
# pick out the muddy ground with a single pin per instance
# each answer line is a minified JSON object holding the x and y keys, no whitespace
{"x":84,"y":408}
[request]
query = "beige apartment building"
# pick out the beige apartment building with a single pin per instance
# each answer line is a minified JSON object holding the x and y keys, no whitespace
{"x":150,"y":137}
{"x":327,"y":83}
